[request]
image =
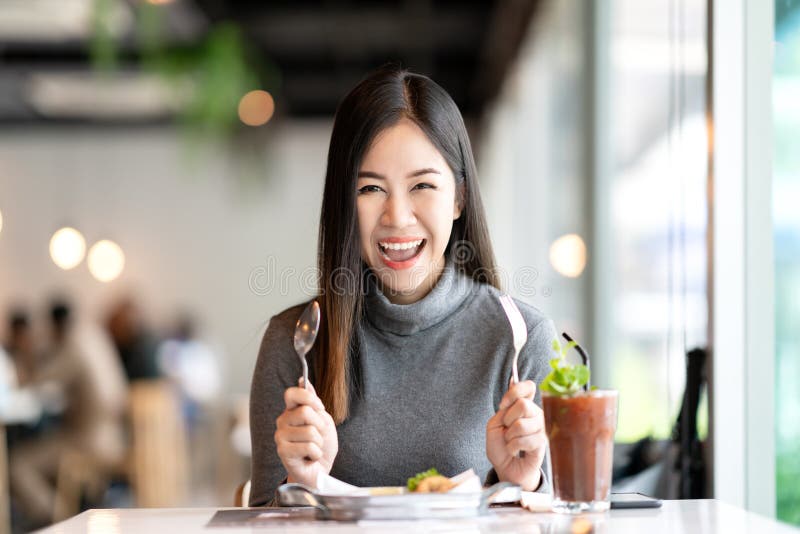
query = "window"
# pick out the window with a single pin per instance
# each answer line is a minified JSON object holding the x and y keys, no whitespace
{"x":786,"y":219}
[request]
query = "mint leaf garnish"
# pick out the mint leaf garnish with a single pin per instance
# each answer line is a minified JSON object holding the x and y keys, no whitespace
{"x":564,"y":379}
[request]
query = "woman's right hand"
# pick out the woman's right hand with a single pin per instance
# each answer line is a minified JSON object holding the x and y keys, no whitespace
{"x":305,"y":436}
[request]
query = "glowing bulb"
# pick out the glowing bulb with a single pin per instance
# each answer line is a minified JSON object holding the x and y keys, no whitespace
{"x":106,"y":260}
{"x":67,"y":248}
{"x":256,"y":108}
{"x":568,"y":255}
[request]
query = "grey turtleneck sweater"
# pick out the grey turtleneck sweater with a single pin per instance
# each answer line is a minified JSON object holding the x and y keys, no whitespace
{"x":433,"y":374}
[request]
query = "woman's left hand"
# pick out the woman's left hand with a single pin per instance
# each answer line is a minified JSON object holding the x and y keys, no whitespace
{"x":517,"y":426}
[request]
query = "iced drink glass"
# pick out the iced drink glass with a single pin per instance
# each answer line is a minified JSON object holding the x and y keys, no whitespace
{"x":581,"y":429}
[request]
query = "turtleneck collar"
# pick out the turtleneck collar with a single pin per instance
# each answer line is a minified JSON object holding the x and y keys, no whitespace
{"x":447,"y":295}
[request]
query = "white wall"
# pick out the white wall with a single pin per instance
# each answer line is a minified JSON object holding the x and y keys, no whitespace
{"x":533,"y":165}
{"x":194,"y":230}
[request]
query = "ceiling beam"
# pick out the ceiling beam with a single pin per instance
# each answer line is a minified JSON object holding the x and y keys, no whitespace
{"x":507,"y":30}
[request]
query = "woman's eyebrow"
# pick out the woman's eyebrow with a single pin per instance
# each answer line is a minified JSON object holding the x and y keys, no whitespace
{"x":420,"y":172}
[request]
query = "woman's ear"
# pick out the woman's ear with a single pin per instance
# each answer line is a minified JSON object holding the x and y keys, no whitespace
{"x":458,"y":204}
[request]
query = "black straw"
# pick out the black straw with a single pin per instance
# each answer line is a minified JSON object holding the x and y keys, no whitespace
{"x":584,"y":357}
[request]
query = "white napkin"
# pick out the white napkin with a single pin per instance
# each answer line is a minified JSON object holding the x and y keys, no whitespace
{"x":537,"y":502}
{"x":327,"y":485}
{"x":466,"y":482}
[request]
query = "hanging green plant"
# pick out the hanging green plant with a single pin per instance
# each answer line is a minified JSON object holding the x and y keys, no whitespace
{"x":102,"y":48}
{"x":209,"y":77}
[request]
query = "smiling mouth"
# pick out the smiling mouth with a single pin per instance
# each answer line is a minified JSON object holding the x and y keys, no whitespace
{"x":400,"y":252}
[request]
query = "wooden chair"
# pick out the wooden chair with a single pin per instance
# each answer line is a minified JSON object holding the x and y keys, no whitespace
{"x":242,"y":496}
{"x":79,"y":475}
{"x":5,"y":508}
{"x":159,"y":449}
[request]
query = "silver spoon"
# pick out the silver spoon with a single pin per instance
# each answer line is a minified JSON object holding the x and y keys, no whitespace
{"x":305,"y":333}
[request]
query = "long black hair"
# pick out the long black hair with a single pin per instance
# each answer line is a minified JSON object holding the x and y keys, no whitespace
{"x":378,"y":102}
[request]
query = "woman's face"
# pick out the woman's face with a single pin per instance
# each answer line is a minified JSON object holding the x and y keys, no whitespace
{"x":406,"y":203}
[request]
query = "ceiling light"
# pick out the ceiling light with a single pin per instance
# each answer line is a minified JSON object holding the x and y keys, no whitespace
{"x":568,"y":255}
{"x":67,"y":248}
{"x":256,"y":108}
{"x":106,"y":260}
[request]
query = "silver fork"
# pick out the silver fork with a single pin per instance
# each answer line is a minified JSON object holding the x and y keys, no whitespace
{"x":520,"y":332}
{"x":518,"y":329}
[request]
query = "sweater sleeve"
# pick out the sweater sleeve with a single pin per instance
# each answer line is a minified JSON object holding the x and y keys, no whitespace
{"x":277,"y":368}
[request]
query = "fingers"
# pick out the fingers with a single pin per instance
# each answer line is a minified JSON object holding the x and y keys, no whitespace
{"x":297,"y":396}
{"x":521,"y":421}
{"x":496,"y":421}
{"x":299,"y":434}
{"x":532,"y":442}
{"x":522,"y":390}
{"x":301,"y":416}
{"x":524,"y":427}
{"x":328,"y":419}
{"x":292,"y":453}
{"x":302,"y":423}
{"x":521,"y":409}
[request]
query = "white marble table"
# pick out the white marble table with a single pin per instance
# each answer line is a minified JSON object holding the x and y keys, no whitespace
{"x":697,"y":516}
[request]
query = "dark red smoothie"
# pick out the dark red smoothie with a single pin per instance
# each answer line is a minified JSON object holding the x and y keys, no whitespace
{"x":581,"y":430}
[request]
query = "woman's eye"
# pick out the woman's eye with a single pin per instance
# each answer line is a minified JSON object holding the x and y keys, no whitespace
{"x":369,"y":189}
{"x":424,"y":185}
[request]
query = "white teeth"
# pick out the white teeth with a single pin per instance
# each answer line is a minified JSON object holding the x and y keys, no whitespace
{"x":402,"y":246}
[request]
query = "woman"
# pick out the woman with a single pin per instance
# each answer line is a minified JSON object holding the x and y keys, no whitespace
{"x":411,"y":368}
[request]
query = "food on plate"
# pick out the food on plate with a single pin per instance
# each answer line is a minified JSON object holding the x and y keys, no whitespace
{"x":386,"y":490}
{"x":430,"y":481}
{"x":435,"y":484}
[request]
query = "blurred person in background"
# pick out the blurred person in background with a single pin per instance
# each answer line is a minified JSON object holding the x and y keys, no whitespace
{"x":8,"y":374}
{"x":8,"y":381}
{"x":20,"y":345}
{"x":86,"y":369}
{"x":21,"y":408}
{"x":192,"y":365}
{"x":136,"y":345}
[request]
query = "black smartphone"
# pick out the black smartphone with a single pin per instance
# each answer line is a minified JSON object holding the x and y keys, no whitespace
{"x":633,"y":500}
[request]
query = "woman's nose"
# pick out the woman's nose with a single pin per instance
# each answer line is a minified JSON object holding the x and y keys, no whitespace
{"x":398,"y":212}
